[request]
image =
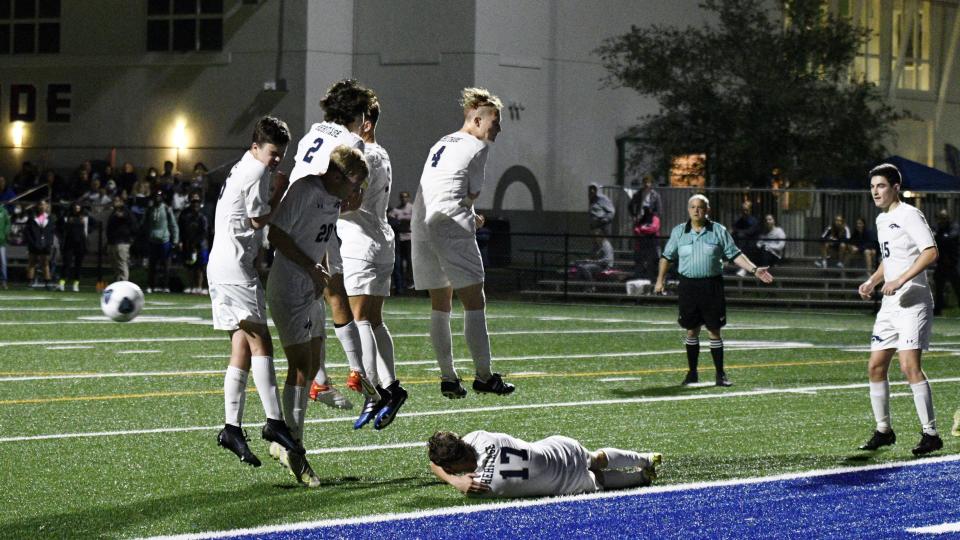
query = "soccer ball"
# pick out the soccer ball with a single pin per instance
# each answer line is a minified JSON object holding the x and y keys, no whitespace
{"x":122,"y":301}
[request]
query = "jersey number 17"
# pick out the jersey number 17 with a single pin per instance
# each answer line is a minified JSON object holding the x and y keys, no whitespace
{"x":505,"y":453}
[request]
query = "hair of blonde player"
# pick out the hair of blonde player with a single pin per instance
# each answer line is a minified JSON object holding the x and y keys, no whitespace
{"x":472,"y":99}
{"x":350,"y":162}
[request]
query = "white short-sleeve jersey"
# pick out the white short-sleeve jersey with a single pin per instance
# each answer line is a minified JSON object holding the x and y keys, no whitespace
{"x":515,"y":468}
{"x":309,"y":215}
{"x":314,"y":149}
{"x":245,"y":194}
{"x":454,"y":168}
{"x":902,"y":234}
{"x":364,"y":233}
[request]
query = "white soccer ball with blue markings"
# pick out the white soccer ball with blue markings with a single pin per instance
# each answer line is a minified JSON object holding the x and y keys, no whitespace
{"x":122,"y":301}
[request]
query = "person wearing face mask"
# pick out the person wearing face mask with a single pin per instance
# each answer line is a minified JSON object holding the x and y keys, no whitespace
{"x":38,"y":235}
{"x":121,"y":230}
{"x":236,"y":295}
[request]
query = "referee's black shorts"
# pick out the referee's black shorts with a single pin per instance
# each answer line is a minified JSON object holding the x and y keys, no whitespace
{"x":702,"y":303}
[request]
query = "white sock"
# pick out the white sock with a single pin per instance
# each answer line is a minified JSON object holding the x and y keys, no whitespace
{"x":880,"y":400}
{"x":265,"y":378}
{"x":923,"y":400}
{"x":478,"y":341}
{"x":321,"y":376}
{"x":234,"y":395}
{"x":442,"y":341}
{"x":622,"y":479}
{"x":623,"y":459}
{"x":368,"y":344}
{"x":385,"y":364}
{"x":350,"y":339}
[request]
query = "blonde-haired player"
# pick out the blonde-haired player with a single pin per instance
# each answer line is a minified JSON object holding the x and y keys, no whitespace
{"x":300,"y":230}
{"x":905,"y":319}
{"x":445,"y":253}
{"x":235,"y":290}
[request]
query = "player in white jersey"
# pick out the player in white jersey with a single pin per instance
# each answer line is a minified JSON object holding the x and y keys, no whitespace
{"x":345,"y":109}
{"x":905,"y":319}
{"x":300,"y":230}
{"x":367,"y":251}
{"x":235,"y":290}
{"x":445,"y":253}
{"x":486,"y":464}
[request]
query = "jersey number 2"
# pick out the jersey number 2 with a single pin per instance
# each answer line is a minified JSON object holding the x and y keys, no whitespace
{"x":505,"y":453}
{"x":317,"y":143}
{"x":436,"y":156}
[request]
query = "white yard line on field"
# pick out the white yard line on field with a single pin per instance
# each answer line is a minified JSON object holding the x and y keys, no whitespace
{"x":500,"y":408}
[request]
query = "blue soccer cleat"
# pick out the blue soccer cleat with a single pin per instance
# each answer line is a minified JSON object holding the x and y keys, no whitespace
{"x":386,"y":415}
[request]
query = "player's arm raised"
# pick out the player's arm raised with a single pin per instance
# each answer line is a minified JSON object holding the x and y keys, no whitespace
{"x":464,"y":483}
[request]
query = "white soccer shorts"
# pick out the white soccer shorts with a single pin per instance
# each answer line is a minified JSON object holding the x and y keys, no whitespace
{"x":234,"y":302}
{"x":446,"y":258}
{"x":334,"y":261}
{"x":364,"y":277}
{"x":902,"y":328}
{"x":577,"y":476}
{"x":297,"y":315}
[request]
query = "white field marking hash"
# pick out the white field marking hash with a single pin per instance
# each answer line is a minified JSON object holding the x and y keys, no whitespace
{"x":619,"y":379}
{"x":447,"y":412}
{"x":936,"y":529}
{"x":69,"y":347}
{"x":144,"y":351}
{"x":563,"y":499}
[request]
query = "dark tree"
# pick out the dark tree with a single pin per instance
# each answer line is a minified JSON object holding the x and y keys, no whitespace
{"x":756,"y":89}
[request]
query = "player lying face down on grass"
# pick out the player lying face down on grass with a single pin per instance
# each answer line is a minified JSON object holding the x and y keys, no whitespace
{"x":700,"y":246}
{"x":300,"y":230}
{"x":485,"y":464}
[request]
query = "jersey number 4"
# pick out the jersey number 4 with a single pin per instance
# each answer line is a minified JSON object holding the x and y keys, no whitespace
{"x":326,"y":230}
{"x":505,"y":453}
{"x":436,"y":156}
{"x":317,"y":143}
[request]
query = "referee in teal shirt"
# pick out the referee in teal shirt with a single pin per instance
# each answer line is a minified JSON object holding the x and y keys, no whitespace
{"x":701,"y":246}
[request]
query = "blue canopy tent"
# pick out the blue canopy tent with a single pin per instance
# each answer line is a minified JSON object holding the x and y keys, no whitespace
{"x":919,"y":177}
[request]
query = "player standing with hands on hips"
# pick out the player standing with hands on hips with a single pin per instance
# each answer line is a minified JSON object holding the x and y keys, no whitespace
{"x":700,"y":247}
{"x":905,"y":320}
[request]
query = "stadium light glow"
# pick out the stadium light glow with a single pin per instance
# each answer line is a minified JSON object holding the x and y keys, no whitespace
{"x":180,"y":136}
{"x":18,"y":132}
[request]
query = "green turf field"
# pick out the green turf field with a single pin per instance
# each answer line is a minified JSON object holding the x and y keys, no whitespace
{"x":109,"y":429}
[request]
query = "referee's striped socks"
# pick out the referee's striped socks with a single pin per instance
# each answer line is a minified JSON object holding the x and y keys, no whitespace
{"x":716,"y":351}
{"x":693,"y":352}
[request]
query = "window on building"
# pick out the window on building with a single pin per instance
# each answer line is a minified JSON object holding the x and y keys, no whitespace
{"x":865,"y":14}
{"x":29,"y":26}
{"x":913,"y":37}
{"x":184,"y":25}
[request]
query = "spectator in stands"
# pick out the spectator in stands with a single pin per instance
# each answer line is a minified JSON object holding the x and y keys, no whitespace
{"x":4,"y":234}
{"x":646,"y":197}
{"x":947,"y":236}
{"x":199,"y":182}
{"x":168,"y":181}
{"x":399,"y":218}
{"x":836,"y":238}
{"x":126,"y":179}
{"x":74,"y":229}
{"x":194,"y":231}
{"x":79,"y":186}
{"x":646,"y":249}
{"x":26,"y":179}
{"x":180,"y":198}
{"x":600,"y":259}
{"x":140,"y":195}
{"x":700,"y":246}
{"x":6,"y":192}
{"x":96,"y":196}
{"x":121,"y":230}
{"x":770,"y":244}
{"x":601,"y":210}
{"x":38,"y":235}
{"x":57,"y":188}
{"x":746,"y":230}
{"x":18,"y":224}
{"x":863,"y":241}
{"x":162,"y":234}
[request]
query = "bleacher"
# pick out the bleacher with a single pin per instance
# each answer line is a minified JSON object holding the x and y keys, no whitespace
{"x":798,"y":283}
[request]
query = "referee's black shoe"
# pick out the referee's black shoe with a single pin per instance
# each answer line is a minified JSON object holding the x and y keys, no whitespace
{"x":278,"y":432}
{"x":928,"y":443}
{"x":493,"y":385}
{"x":691,"y":378}
{"x":880,"y":439}
{"x":722,"y":379}
{"x":235,"y":440}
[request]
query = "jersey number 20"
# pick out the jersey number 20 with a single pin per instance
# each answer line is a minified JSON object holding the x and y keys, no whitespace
{"x":505,"y":453}
{"x":326,"y":230}
{"x":317,"y":143}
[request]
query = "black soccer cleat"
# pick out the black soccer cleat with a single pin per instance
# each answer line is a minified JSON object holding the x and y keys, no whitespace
{"x":389,"y":411}
{"x":879,"y":439}
{"x":453,"y":389}
{"x":691,"y":378}
{"x":722,"y":379}
{"x":493,"y":385}
{"x":278,"y":432}
{"x":235,"y":440}
{"x":928,"y":443}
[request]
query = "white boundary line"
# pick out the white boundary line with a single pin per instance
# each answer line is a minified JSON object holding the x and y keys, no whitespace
{"x":472,"y":509}
{"x":936,"y":529}
{"x":527,"y":406}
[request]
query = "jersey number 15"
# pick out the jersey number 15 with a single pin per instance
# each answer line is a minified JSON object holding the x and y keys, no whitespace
{"x":505,"y":453}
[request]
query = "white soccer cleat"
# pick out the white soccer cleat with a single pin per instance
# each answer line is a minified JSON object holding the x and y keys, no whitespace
{"x":329,"y":396}
{"x":279,"y":453}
